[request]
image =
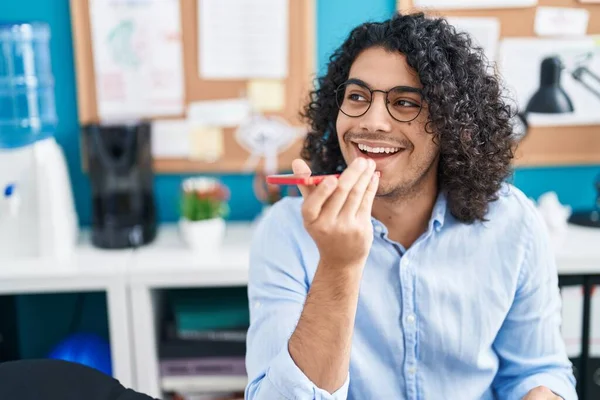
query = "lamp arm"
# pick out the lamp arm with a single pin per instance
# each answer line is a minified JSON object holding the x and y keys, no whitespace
{"x":579,"y":75}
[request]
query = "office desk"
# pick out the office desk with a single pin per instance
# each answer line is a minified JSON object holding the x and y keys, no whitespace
{"x":134,"y":280}
{"x":579,"y":252}
{"x":578,"y":261}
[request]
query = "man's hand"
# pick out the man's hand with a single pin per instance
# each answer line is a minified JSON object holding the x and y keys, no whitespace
{"x":337,"y":212}
{"x":541,"y":393}
{"x":337,"y":215}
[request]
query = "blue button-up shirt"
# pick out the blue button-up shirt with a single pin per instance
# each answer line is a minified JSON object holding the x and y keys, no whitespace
{"x":469,"y":311}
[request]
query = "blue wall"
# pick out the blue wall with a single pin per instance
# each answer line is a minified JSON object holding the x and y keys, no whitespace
{"x":334,"y":20}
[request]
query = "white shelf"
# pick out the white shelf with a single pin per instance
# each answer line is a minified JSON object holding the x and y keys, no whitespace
{"x":87,"y":269}
{"x":168,"y":263}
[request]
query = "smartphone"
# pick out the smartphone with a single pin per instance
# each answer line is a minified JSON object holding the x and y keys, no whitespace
{"x":297,"y":179}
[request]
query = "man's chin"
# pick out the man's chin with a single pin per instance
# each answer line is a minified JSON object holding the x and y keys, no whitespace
{"x":384,"y":190}
{"x":395,"y":191}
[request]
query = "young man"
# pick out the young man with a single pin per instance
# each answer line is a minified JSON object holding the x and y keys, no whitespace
{"x":419,"y":273}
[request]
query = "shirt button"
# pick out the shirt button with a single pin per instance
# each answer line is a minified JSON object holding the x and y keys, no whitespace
{"x":412,"y":370}
{"x":411,"y":319}
{"x":406,"y":262}
{"x":378,"y":228}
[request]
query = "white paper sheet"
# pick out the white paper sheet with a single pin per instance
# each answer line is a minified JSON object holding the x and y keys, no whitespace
{"x":243,"y":39}
{"x":137,"y":58}
{"x":595,"y":323}
{"x":170,"y":138}
{"x":519,"y":64}
{"x":561,"y":21}
{"x":485,"y":32}
{"x":462,"y":4}
{"x":572,"y":318}
{"x":227,"y":112}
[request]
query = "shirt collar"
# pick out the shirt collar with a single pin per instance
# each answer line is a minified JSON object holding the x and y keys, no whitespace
{"x":438,"y":214}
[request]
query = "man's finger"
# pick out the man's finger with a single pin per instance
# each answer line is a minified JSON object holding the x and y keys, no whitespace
{"x":313,"y":204}
{"x":367,"y":202}
{"x":300,"y":167}
{"x":346,"y":182}
{"x":357,"y":193}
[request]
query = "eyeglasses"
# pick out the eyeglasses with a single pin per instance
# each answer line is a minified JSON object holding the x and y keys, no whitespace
{"x":354,"y":98}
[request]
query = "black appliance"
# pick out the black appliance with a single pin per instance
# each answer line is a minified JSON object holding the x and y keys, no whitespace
{"x":120,"y":168}
{"x":9,"y":329}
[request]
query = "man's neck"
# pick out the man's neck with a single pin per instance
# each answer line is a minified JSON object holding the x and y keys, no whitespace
{"x":407,"y":217}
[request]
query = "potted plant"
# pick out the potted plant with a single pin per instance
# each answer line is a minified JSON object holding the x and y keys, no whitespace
{"x":204,"y":206}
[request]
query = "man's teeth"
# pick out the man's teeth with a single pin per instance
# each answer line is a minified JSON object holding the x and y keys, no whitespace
{"x":388,"y":150}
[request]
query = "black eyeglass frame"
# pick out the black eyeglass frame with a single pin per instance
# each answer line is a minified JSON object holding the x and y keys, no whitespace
{"x":360,"y":83}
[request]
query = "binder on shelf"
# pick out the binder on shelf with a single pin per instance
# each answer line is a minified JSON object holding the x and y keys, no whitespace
{"x":571,"y":289}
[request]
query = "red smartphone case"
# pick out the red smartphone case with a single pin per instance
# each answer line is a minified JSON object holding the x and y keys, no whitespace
{"x":295,"y":179}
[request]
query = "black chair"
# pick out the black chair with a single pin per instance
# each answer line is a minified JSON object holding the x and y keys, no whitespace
{"x":48,"y":379}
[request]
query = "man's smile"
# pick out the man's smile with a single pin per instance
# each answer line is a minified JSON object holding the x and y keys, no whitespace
{"x":383,"y":153}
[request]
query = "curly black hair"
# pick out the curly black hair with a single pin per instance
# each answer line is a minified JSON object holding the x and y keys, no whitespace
{"x":468,"y":115}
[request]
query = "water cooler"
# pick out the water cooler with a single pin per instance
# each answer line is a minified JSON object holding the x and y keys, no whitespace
{"x":37,"y":212}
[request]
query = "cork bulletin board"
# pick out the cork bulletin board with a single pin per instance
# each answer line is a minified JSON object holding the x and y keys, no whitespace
{"x":543,"y":145}
{"x":297,"y":83}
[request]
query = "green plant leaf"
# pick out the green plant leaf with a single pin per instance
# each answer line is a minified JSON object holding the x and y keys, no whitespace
{"x":194,"y":208}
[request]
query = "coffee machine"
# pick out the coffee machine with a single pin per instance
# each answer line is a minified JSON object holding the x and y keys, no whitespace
{"x":119,"y":161}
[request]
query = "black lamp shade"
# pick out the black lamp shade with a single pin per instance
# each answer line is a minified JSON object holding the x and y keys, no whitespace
{"x":550,"y":98}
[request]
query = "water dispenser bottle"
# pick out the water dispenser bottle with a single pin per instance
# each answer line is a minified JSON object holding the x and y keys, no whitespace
{"x":27,"y":110}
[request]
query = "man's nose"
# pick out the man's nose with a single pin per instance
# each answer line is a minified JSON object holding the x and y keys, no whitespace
{"x":377,"y":118}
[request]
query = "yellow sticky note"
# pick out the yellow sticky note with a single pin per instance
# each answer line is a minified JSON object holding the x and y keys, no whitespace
{"x":266,"y":94}
{"x":206,"y":143}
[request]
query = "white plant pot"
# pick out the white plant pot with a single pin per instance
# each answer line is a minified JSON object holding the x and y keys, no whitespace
{"x":203,"y":236}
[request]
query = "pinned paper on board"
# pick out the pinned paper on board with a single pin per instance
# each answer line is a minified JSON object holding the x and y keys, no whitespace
{"x":266,"y":95}
{"x":561,"y":21}
{"x":484,"y":31}
{"x":243,"y":39}
{"x":137,"y":58}
{"x":170,"y":138}
{"x":266,"y":137}
{"x":227,"y":112}
{"x":206,"y":143}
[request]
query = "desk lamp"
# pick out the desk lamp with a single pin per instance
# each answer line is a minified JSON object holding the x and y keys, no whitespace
{"x":551,"y":98}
